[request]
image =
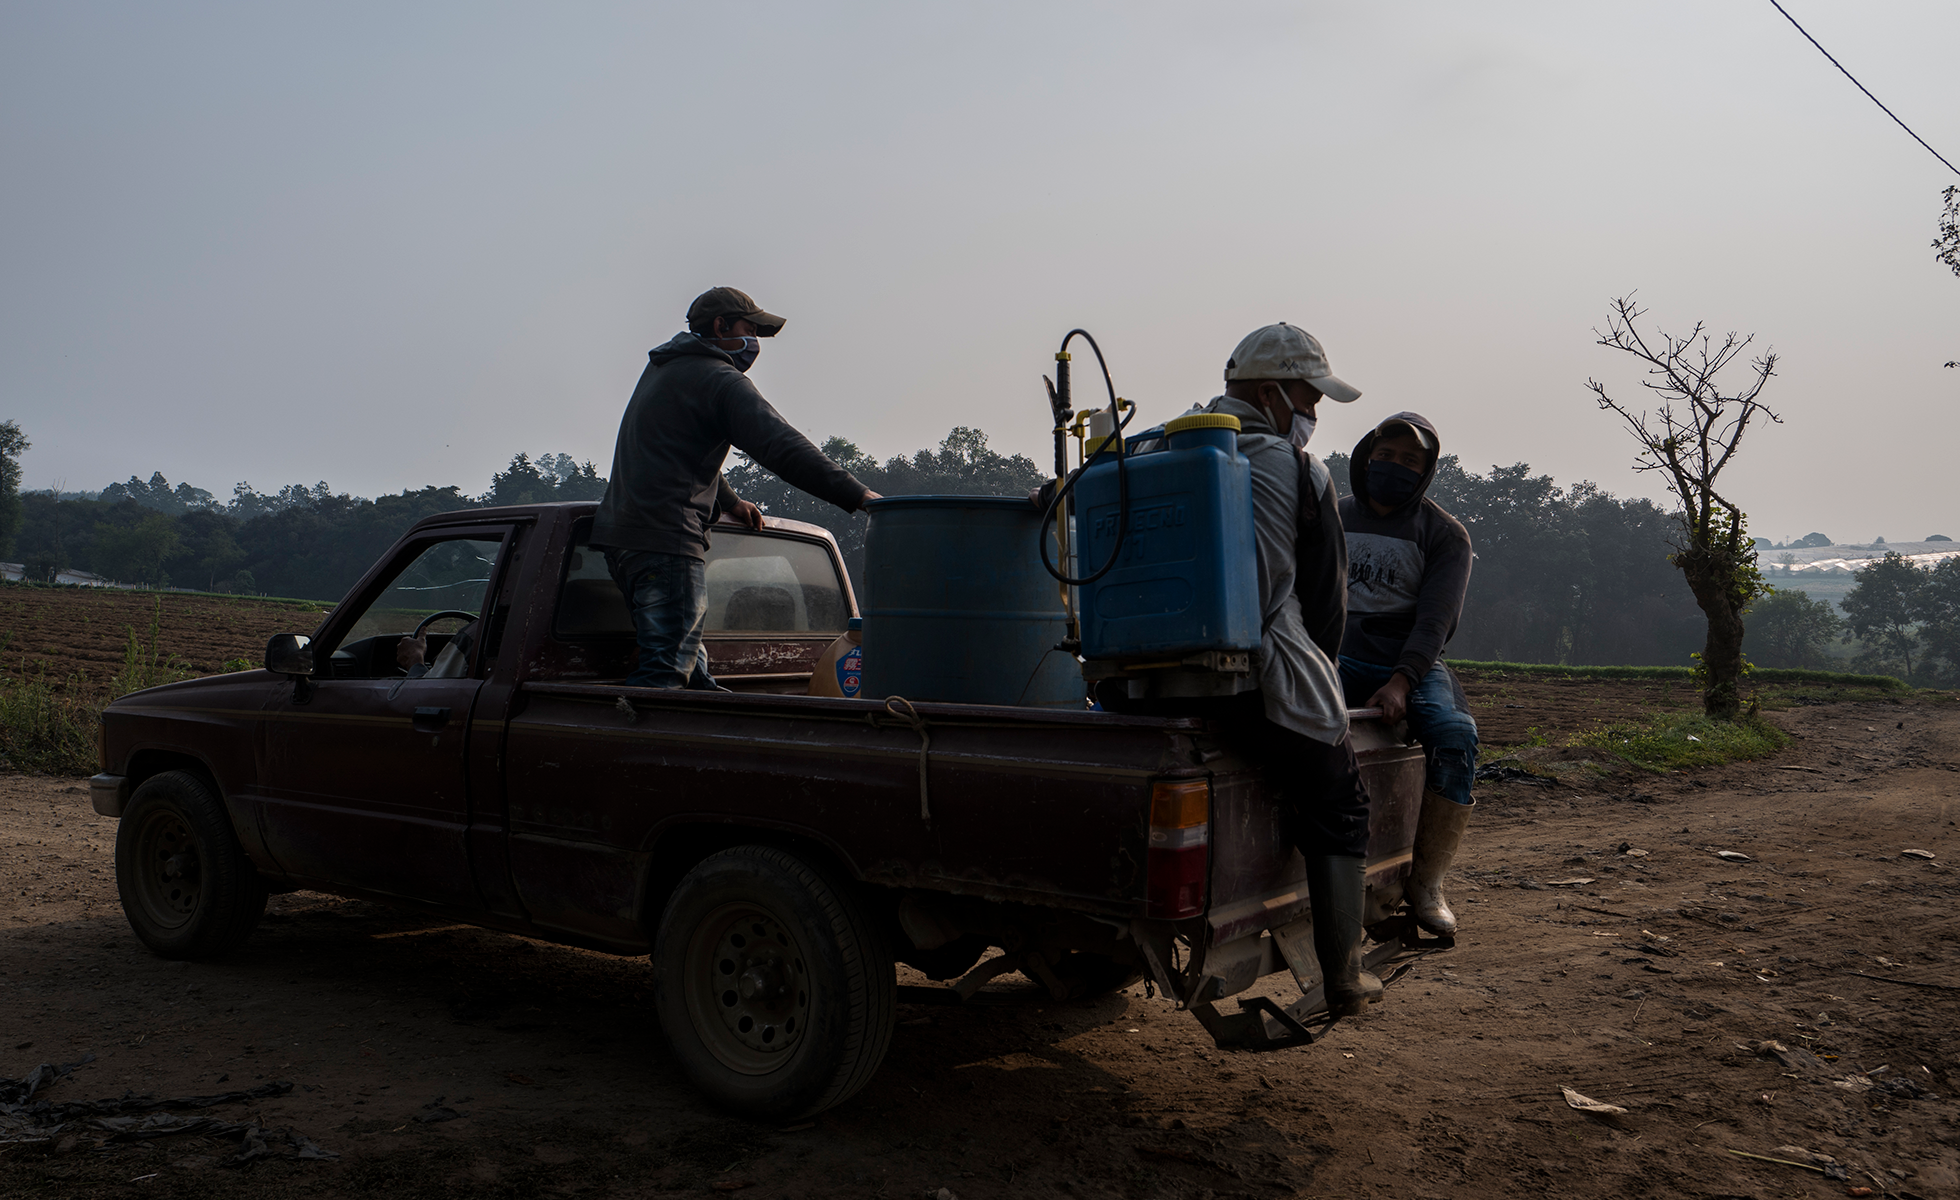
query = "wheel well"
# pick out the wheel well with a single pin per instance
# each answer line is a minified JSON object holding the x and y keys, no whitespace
{"x":679,"y":848}
{"x":145,"y":764}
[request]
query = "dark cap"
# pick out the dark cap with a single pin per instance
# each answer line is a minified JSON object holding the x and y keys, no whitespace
{"x":729,"y":302}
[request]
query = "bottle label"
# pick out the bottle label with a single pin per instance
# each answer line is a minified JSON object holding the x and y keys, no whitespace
{"x":850,"y":672}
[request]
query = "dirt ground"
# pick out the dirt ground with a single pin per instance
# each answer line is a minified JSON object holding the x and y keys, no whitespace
{"x":62,"y":632}
{"x":1647,"y":981}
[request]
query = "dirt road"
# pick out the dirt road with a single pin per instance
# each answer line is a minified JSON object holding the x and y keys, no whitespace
{"x":1650,"y":986}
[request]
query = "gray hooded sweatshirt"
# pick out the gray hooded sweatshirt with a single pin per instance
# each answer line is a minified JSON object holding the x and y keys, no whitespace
{"x":691,"y":405}
{"x":1408,"y":570}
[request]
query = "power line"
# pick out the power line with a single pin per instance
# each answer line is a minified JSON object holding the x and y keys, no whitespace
{"x":1861,"y":87}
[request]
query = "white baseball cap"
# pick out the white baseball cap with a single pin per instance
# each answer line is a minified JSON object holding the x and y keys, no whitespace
{"x":1285,"y":351}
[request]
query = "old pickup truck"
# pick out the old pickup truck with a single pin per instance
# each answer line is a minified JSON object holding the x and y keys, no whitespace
{"x":775,"y":853}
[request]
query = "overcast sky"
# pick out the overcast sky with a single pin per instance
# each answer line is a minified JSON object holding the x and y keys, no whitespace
{"x":390,"y":245}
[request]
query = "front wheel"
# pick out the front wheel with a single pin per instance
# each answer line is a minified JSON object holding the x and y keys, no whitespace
{"x":776,"y":992}
{"x":186,"y":885}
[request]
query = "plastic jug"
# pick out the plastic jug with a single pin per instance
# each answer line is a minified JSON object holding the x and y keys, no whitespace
{"x":840,"y":672}
{"x":1187,"y":579}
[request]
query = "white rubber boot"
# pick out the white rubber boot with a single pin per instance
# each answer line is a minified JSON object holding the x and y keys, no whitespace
{"x":1438,"y":833}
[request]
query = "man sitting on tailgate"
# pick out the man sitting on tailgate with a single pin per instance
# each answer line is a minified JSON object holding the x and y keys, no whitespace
{"x":1408,"y":568}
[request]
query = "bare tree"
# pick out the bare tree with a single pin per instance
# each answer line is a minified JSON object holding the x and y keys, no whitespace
{"x":1947,"y":246}
{"x":1690,"y":435}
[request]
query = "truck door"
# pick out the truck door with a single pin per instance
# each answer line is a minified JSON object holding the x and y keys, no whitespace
{"x":366,"y":781}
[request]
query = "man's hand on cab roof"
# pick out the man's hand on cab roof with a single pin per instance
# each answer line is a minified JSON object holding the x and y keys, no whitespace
{"x":747,"y":513}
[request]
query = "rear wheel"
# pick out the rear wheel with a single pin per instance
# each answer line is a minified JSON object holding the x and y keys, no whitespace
{"x":186,"y":885}
{"x":775,"y":991}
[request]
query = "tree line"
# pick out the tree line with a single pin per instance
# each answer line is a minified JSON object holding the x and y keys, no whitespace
{"x":1564,"y":573}
{"x":307,"y":542}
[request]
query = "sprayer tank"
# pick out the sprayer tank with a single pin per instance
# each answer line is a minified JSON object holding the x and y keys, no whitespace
{"x":1186,"y":581}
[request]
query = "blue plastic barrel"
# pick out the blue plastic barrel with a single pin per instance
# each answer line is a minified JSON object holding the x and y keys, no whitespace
{"x":1187,"y":579}
{"x":958,"y":607}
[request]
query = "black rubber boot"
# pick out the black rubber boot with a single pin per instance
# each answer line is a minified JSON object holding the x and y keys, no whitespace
{"x":1334,"y":886}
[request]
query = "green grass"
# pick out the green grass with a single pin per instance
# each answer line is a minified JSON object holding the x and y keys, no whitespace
{"x":47,"y":728}
{"x":1673,"y":742}
{"x":51,"y":727}
{"x":1758,"y":675}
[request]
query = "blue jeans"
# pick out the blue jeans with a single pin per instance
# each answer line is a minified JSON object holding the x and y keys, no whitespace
{"x":668,"y":594}
{"x":1439,"y":716}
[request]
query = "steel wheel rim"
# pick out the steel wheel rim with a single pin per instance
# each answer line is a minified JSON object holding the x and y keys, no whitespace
{"x":748,"y":988}
{"x":169,"y":870}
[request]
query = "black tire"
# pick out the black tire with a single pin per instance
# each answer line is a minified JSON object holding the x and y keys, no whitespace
{"x":775,"y":990}
{"x":186,"y":885}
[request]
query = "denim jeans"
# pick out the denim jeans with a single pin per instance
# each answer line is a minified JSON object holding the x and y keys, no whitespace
{"x":668,"y":594}
{"x":1439,"y":716}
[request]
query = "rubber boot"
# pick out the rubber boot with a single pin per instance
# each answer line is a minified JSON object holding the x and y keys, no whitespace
{"x":1334,"y":886}
{"x":1438,"y":833}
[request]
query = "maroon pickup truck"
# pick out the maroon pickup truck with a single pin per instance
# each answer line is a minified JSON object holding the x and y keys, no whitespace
{"x":775,"y":853}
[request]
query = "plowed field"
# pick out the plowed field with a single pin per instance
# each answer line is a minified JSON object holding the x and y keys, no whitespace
{"x":78,"y":636}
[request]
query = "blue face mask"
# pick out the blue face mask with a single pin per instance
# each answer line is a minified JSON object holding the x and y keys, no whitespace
{"x":1391,"y":483}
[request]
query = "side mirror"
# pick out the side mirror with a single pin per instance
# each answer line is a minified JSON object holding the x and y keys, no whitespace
{"x":289,"y":654}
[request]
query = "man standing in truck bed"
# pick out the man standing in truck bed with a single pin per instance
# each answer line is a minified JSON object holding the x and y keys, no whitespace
{"x":693,"y":402}
{"x":1408,"y":568}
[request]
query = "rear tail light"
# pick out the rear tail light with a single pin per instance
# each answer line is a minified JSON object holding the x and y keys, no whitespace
{"x":1180,"y":849}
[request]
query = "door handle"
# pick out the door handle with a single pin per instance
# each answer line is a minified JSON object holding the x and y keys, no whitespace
{"x":428,"y":720}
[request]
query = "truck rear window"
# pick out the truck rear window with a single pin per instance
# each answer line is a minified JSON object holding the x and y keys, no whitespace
{"x":757,"y":583}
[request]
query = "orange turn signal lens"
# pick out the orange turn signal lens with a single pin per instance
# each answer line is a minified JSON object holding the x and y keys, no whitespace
{"x":1180,"y":803}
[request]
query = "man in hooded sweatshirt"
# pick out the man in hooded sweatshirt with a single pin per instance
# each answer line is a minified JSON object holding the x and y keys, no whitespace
{"x":1295,"y":723}
{"x":1408,"y":568}
{"x":666,"y":490}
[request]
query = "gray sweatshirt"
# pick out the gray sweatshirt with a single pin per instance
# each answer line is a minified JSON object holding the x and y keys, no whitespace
{"x":691,"y":405}
{"x":1407,"y":571}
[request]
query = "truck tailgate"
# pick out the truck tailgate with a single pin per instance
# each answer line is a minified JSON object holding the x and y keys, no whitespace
{"x":1258,"y":879}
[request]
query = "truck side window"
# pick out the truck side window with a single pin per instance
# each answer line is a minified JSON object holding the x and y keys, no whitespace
{"x":448,"y":575}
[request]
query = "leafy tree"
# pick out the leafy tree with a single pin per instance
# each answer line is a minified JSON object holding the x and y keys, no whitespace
{"x":1938,"y":610}
{"x":131,"y":546}
{"x":1811,"y":541}
{"x":1690,"y":438}
{"x":1883,"y":609}
{"x":13,"y":443}
{"x":207,"y":552}
{"x":1946,"y":247}
{"x":1789,"y":629}
{"x":159,"y":495}
{"x":521,"y":483}
{"x":551,"y":477}
{"x":963,"y":465}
